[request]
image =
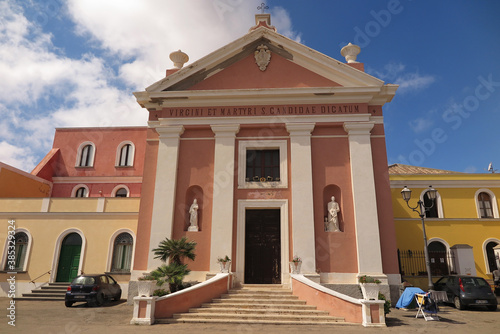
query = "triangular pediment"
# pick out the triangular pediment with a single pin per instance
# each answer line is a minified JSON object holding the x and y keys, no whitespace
{"x":233,"y":69}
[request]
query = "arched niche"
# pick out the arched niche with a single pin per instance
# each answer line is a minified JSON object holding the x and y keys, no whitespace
{"x":194,"y":192}
{"x":329,"y":191}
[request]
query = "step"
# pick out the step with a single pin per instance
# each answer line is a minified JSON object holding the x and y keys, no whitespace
{"x":249,"y":301}
{"x":254,"y":322}
{"x":43,"y":295}
{"x":258,"y":296}
{"x":42,"y":291}
{"x":43,"y":298}
{"x":54,"y":287}
{"x":287,"y":317}
{"x":259,"y":292}
{"x":275,"y":311}
{"x":260,"y":305}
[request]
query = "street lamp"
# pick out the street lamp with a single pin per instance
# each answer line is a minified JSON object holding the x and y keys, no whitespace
{"x":431,"y":194}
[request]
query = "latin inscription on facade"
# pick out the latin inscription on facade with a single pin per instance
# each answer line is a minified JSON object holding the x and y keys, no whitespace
{"x":317,"y":109}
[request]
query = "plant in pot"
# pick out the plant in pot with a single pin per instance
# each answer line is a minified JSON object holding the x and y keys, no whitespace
{"x":225,"y":264}
{"x":369,"y":287}
{"x":295,"y":265}
{"x":173,"y":250}
{"x":146,"y":285}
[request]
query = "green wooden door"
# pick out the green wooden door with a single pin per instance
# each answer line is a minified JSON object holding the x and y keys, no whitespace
{"x":69,"y":258}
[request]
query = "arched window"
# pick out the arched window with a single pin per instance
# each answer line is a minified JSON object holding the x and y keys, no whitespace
{"x":490,"y":256}
{"x":86,"y":153}
{"x":125,"y":154}
{"x":81,"y":192}
{"x":431,"y":207}
{"x":16,"y":257}
{"x":122,"y":253}
{"x":122,"y":192}
{"x":485,"y":207}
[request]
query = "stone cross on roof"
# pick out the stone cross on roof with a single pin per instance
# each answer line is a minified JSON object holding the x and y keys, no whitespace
{"x":263,"y":7}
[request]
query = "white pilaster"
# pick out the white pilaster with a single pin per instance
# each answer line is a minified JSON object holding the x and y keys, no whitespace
{"x":165,"y":185}
{"x":223,"y":193}
{"x":364,"y":198}
{"x":302,"y":195}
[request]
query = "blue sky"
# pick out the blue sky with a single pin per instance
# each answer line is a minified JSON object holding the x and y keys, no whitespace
{"x":67,"y":63}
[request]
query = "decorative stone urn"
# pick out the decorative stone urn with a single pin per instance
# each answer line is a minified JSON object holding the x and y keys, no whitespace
{"x":295,"y":267}
{"x":370,"y":290}
{"x":145,"y":288}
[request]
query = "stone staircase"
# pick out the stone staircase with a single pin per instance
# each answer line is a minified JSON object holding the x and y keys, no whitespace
{"x":52,"y":291}
{"x":256,"y":304}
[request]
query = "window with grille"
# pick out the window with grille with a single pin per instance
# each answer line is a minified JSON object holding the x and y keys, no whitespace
{"x":19,"y":255}
{"x":262,"y":165}
{"x":122,"y":253}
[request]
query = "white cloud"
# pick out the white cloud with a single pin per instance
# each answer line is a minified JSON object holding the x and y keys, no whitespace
{"x":15,"y":156}
{"x":129,"y":43}
{"x":408,"y":81}
{"x":414,"y":81}
{"x":421,"y":124}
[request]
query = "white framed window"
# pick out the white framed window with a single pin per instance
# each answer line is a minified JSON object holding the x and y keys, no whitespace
{"x":85,"y":155}
{"x":125,"y":154}
{"x":486,"y":204}
{"x":262,"y":164}
{"x":80,"y":190}
{"x":121,"y":251}
{"x":436,"y":210}
{"x":16,"y":255}
{"x":120,"y":191}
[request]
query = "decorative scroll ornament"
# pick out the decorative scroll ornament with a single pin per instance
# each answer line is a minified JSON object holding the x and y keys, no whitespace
{"x":262,"y":57}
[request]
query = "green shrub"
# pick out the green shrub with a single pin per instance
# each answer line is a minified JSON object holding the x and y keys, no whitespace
{"x":387,"y":304}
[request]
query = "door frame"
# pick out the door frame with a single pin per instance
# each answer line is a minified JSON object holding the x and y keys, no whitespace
{"x":243,"y":205}
{"x":57,"y":252}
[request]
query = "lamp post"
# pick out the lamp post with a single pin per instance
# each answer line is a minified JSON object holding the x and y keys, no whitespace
{"x":431,"y":194}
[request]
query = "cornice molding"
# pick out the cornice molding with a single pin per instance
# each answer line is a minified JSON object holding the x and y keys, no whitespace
{"x":97,"y":179}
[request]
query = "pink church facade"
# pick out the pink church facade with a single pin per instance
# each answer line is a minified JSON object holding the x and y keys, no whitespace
{"x":262,"y":133}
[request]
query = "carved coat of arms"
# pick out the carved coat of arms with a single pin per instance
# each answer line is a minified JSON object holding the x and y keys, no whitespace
{"x":262,"y":57}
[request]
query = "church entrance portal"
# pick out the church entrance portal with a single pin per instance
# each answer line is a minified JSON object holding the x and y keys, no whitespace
{"x":262,"y":246}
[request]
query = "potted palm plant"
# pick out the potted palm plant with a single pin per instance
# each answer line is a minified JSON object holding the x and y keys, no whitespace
{"x":174,"y":251}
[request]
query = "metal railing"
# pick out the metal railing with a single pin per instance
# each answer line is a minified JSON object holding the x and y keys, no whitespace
{"x":34,"y":279}
{"x":412,"y":263}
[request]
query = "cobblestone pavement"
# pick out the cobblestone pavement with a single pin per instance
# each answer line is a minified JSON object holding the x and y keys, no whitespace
{"x":47,"y":317}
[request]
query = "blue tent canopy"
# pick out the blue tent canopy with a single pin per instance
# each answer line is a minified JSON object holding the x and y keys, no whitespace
{"x":407,"y":297}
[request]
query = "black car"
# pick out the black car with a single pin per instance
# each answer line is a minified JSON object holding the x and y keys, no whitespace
{"x":93,"y":289}
{"x":466,"y":291}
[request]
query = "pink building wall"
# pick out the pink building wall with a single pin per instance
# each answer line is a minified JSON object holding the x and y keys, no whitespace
{"x":106,"y":141}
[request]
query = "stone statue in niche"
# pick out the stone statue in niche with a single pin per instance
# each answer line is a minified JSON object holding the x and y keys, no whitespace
{"x":332,"y":221}
{"x":193,"y":217}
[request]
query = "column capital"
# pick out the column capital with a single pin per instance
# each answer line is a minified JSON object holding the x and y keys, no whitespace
{"x":225,"y":130}
{"x":358,"y":128}
{"x":170,"y":131}
{"x":300,"y":129}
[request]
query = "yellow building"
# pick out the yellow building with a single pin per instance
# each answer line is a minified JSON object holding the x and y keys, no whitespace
{"x":464,"y":220}
{"x":48,"y":229}
{"x":16,"y":183}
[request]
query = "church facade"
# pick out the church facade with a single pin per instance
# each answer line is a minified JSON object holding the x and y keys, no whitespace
{"x":264,"y":136}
